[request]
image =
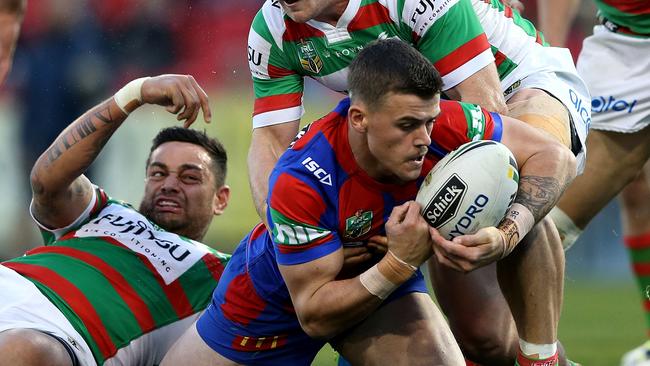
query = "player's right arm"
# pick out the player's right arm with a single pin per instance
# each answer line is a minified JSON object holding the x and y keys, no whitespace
{"x":325,"y":306}
{"x":278,"y":90}
{"x":60,"y":191}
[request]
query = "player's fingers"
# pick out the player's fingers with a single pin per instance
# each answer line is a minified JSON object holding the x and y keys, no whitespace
{"x":177,"y":101}
{"x":442,"y":259}
{"x":191,"y":103}
{"x":378,"y":248}
{"x":398,"y":213}
{"x":203,"y":99}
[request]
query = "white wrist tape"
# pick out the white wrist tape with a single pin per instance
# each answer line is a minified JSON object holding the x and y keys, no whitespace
{"x":376,"y":283}
{"x":130,"y":93}
{"x":569,"y":231}
{"x":522,"y":217}
{"x":523,"y":220}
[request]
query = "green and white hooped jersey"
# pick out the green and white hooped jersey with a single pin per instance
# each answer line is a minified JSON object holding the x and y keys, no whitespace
{"x":117,"y":276}
{"x":282,"y":52}
{"x":632,"y":14}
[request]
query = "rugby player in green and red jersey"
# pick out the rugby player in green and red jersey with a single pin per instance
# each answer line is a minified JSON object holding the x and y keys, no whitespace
{"x":114,"y":285}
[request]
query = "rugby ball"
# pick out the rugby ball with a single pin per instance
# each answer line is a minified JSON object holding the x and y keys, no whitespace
{"x":470,"y":188}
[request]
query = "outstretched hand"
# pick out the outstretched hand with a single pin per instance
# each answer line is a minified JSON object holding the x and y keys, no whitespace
{"x":179,"y":94}
{"x":468,"y":252}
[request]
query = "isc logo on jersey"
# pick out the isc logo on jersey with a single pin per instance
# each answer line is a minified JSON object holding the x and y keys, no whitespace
{"x":469,"y":189}
{"x":320,"y":173}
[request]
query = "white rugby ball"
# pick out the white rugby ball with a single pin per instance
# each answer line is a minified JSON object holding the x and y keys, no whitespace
{"x":470,"y":188}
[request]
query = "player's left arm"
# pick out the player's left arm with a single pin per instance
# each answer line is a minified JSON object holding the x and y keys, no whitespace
{"x":546,"y":168}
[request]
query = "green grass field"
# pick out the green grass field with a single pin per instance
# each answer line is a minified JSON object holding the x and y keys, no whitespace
{"x":599,"y":323}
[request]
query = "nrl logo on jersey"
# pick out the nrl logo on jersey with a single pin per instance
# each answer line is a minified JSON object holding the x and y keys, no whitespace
{"x":309,"y":58}
{"x":358,"y":225}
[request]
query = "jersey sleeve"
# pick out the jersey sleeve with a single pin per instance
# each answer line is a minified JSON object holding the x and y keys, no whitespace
{"x":449,"y":34}
{"x":277,"y":87}
{"x":459,"y":123}
{"x":98,"y":201}
{"x":296,"y":215}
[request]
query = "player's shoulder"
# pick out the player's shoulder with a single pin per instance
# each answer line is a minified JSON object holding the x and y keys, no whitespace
{"x":269,"y":22}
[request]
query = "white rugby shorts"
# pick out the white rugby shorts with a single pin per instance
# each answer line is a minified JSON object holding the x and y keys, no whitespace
{"x":617,"y":69}
{"x":23,"y":306}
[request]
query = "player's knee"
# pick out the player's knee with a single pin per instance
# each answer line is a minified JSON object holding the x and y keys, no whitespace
{"x":30,"y":347}
{"x":489,"y":347}
{"x":636,"y":194}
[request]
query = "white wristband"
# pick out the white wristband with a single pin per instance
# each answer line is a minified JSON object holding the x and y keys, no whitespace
{"x":523,"y":220}
{"x":130,"y":93}
{"x":376,"y":283}
{"x":522,"y":217}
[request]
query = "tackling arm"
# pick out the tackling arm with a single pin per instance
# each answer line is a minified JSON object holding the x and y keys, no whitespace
{"x":267,"y":144}
{"x":60,"y":190}
{"x":482,"y":88}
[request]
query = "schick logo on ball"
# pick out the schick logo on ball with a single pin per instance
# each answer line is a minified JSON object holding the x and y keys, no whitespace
{"x":444,"y":204}
{"x":602,"y":104}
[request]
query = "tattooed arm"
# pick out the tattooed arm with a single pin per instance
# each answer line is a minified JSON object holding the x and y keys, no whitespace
{"x":60,"y":190}
{"x":545,"y":167}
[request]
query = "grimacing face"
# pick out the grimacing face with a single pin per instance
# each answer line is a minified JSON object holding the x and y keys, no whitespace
{"x":398,"y":135}
{"x":180,"y":193}
{"x":301,"y":11}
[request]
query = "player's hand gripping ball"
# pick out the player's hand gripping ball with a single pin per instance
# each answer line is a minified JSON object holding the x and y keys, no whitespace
{"x":471,"y":188}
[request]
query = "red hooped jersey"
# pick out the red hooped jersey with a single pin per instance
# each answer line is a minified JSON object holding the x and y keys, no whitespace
{"x":116,"y":276}
{"x":320,"y":199}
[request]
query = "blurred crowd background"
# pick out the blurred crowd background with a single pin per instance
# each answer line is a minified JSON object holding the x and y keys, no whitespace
{"x":74,"y":53}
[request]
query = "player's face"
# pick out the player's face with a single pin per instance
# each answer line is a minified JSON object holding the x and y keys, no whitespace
{"x":301,"y":11}
{"x":399,"y":133}
{"x":180,"y":193}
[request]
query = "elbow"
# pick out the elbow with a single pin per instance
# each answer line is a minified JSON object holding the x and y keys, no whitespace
{"x":566,"y":163}
{"x":36,"y":182}
{"x":317,"y":328}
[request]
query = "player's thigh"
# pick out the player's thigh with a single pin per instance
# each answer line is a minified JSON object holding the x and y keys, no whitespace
{"x":407,"y":331}
{"x":190,"y":349}
{"x":539,"y":109}
{"x":478,"y":313}
{"x":29,"y":347}
{"x":613,"y":160}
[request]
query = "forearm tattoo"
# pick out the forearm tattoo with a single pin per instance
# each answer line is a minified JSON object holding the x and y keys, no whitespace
{"x":79,"y":131}
{"x":539,"y":194}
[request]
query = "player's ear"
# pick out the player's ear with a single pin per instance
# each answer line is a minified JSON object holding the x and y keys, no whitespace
{"x":220,"y":200}
{"x":358,"y":117}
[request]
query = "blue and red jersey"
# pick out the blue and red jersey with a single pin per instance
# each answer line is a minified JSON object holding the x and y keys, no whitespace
{"x":319,"y":200}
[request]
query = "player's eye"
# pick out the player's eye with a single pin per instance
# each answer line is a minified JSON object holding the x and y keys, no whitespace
{"x":156,"y":174}
{"x":190,"y":178}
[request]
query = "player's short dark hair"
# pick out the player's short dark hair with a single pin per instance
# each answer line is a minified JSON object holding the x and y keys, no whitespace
{"x":214,"y":148}
{"x":391,"y":65}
